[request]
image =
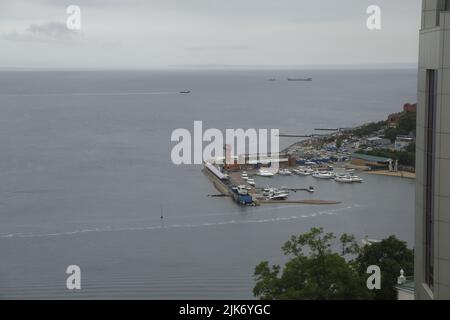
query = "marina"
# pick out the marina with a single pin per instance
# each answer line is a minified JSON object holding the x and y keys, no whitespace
{"x":244,"y":189}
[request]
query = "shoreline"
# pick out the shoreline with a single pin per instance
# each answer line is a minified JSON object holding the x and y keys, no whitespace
{"x":398,"y":174}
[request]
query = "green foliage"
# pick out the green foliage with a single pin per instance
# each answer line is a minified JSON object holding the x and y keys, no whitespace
{"x":391,"y":255}
{"x":321,"y":275}
{"x":411,"y":147}
{"x":406,"y":125}
{"x":369,"y":128}
{"x":316,"y":271}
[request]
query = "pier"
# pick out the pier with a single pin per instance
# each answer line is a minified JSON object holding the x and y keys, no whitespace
{"x":225,"y":182}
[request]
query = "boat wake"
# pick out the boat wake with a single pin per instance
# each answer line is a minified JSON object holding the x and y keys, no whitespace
{"x":180,"y":226}
{"x":59,"y":94}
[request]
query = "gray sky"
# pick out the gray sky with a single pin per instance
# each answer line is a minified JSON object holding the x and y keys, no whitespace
{"x":161,"y":33}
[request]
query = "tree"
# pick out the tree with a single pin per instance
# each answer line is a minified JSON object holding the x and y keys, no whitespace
{"x":322,"y":274}
{"x":322,"y":268}
{"x":391,"y":255}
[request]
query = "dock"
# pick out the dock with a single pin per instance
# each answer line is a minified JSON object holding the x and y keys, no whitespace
{"x":307,"y":202}
{"x":223,"y":185}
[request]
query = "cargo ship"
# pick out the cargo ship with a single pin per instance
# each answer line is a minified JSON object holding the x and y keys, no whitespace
{"x":299,"y":79}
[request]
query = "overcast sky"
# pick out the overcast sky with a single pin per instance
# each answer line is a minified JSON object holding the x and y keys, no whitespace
{"x":161,"y":33}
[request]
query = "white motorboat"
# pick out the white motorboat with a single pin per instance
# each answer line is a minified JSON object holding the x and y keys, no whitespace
{"x":304,"y":171}
{"x":266,"y":191}
{"x":265,"y":173}
{"x":348,"y":179}
{"x":251,"y":182}
{"x":343,"y":179}
{"x":276,"y":194}
{"x":242,"y":190}
{"x":323,"y":175}
{"x":284,"y":172}
{"x":356,"y":179}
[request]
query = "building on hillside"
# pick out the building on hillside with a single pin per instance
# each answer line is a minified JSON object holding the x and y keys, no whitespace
{"x":372,"y":162}
{"x":403,"y":142}
{"x":393,"y":119}
{"x":376,"y":142}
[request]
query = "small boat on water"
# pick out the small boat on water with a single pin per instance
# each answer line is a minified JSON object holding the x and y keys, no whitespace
{"x":251,"y":182}
{"x":265,"y":173}
{"x":323,"y":175}
{"x":244,"y":176}
{"x":276,"y":194}
{"x":356,"y":179}
{"x":242,"y":190}
{"x":279,"y":195}
{"x":302,"y":171}
{"x":284,"y":172}
{"x":343,"y":179}
{"x":185,"y":91}
{"x":299,"y":79}
{"x":348,"y":179}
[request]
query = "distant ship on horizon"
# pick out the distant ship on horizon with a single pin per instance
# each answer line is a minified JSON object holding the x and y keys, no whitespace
{"x":299,"y":79}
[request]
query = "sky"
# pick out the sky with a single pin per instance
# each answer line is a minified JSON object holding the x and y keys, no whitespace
{"x":146,"y":34}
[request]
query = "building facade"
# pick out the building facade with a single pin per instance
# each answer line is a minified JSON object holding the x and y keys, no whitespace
{"x":432,"y":240}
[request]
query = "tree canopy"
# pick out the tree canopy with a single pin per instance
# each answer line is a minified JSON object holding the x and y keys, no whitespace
{"x":324,"y":268}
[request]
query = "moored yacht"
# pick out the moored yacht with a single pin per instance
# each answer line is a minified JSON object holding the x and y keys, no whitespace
{"x":276,"y":194}
{"x":265,"y":173}
{"x":284,"y":172}
{"x":302,"y":171}
{"x":323,"y":175}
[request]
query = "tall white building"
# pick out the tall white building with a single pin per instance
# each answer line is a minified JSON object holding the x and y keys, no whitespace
{"x":432,"y":240}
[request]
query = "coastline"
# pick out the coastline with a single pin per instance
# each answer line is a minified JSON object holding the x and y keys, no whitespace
{"x":398,"y":174}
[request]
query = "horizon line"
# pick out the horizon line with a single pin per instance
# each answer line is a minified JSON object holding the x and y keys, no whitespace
{"x":174,"y":67}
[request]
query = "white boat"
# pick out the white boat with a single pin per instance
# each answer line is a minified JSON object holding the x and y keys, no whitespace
{"x":251,"y":182}
{"x":343,"y":179}
{"x":304,"y":171}
{"x":276,"y":194}
{"x":356,"y":179}
{"x":279,"y":195}
{"x":242,"y":190}
{"x":265,"y":173}
{"x":348,"y":179}
{"x":266,"y":191}
{"x":284,"y":172}
{"x":323,"y":175}
{"x":244,"y":177}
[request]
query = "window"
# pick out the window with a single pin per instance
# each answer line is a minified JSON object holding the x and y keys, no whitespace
{"x":443,"y":5}
{"x":430,"y":175}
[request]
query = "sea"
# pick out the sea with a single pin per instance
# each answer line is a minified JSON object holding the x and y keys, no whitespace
{"x":86,"y":174}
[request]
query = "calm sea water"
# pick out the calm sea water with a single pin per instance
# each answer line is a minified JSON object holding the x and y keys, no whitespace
{"x":85,"y":167}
